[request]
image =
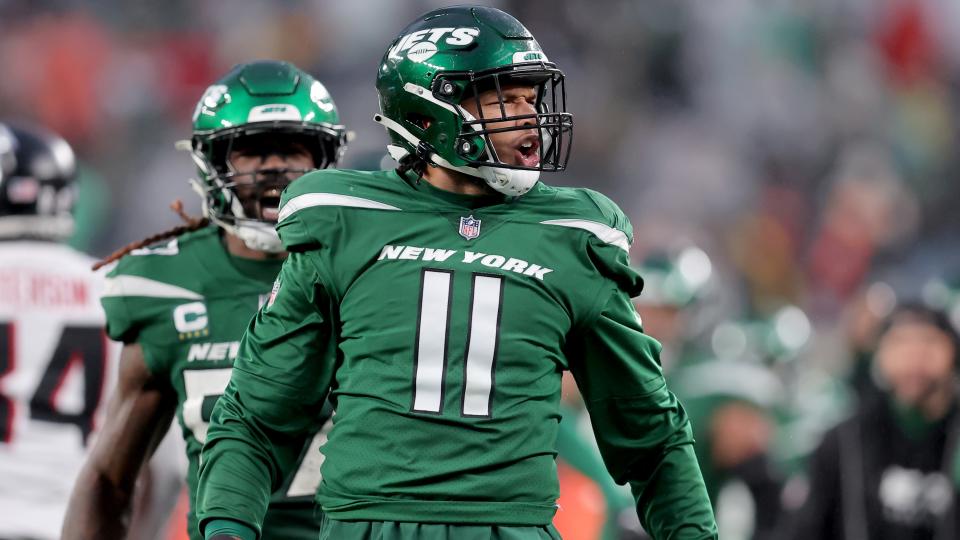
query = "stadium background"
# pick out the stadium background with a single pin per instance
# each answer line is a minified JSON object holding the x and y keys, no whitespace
{"x":808,"y":147}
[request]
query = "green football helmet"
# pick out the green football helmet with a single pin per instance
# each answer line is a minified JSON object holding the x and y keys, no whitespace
{"x":675,"y":277}
{"x":270,"y":107}
{"x":779,"y":338}
{"x":453,"y":54}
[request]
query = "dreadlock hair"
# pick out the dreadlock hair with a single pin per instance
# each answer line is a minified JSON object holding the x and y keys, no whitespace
{"x":412,"y":162}
{"x":190,"y":224}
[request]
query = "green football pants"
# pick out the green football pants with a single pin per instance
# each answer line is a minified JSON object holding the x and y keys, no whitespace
{"x":332,"y":529}
{"x":292,"y":522}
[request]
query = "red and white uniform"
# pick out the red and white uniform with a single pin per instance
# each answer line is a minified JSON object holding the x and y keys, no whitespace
{"x":56,"y":368}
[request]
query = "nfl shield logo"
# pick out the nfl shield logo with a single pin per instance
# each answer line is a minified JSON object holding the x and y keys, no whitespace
{"x":273,"y":293}
{"x":469,"y":227}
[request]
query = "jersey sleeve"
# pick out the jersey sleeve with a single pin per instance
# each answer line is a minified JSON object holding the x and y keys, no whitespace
{"x":121,"y":325}
{"x":276,"y":391}
{"x":643,"y":433}
{"x":136,"y":313}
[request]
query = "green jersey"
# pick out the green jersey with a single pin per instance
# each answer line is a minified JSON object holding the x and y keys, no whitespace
{"x":187,"y":304}
{"x":441,"y":323}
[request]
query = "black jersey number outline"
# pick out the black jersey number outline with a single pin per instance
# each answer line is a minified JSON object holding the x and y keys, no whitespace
{"x":83,"y":345}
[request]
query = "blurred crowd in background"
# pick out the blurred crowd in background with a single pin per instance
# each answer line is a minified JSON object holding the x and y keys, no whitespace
{"x":790,"y":168}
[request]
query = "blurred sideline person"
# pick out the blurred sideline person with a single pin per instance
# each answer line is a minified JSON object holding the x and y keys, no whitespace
{"x":55,"y":361}
{"x":676,"y":283}
{"x":864,"y":316}
{"x":890,"y":471}
{"x":729,"y":394}
{"x":440,"y":303}
{"x":180,"y":300}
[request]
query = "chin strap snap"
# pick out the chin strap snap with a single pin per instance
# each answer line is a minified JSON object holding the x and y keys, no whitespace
{"x":426,"y":152}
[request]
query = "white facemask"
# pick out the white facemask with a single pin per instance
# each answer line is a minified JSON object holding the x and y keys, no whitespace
{"x":258,"y":236}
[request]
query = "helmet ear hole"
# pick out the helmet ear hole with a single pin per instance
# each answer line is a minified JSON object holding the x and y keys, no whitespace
{"x":421,"y":121}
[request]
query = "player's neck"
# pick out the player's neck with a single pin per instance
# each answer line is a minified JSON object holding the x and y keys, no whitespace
{"x":455,"y":182}
{"x":238,"y":248}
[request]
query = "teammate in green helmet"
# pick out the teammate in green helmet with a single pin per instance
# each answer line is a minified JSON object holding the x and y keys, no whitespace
{"x":438,"y":305}
{"x":258,"y":110}
{"x":180,"y":300}
{"x":676,"y":280}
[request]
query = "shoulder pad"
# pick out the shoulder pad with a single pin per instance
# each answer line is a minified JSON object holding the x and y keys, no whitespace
{"x":166,"y":260}
{"x":310,"y":205}
{"x":585,"y":209}
{"x":142,"y":285}
{"x":611,"y":213}
{"x":610,"y":233}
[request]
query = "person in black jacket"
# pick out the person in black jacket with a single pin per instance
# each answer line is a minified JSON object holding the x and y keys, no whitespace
{"x":887,"y":473}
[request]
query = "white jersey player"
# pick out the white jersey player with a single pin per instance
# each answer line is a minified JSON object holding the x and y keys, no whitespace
{"x":55,"y":361}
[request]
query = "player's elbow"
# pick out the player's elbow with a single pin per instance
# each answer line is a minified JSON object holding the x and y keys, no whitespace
{"x":101,"y":483}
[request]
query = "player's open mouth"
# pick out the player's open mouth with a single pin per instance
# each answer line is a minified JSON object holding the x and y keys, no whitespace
{"x":528,"y":151}
{"x":270,"y":213}
{"x":270,"y":205}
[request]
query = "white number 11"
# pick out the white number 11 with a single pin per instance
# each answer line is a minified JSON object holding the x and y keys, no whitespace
{"x":430,"y":356}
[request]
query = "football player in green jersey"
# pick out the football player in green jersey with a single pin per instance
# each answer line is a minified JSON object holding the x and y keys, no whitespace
{"x":181,"y":306}
{"x":440,"y":303}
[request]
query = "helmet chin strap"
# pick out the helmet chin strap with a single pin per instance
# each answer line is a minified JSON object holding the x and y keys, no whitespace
{"x":510,"y":182}
{"x":254,"y":235}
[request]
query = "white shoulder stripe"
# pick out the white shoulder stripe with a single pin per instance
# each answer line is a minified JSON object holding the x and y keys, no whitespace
{"x":601,"y":231}
{"x":308,"y":200}
{"x":141,"y":286}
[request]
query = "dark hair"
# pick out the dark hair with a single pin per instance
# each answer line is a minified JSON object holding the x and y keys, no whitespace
{"x":190,"y":224}
{"x":412,"y":162}
{"x":919,"y":313}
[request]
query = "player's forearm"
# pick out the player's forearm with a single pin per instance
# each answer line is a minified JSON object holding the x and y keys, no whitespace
{"x":672,"y":500}
{"x":99,"y":508}
{"x":646,"y":440}
{"x":234,"y":484}
{"x":237,"y":467}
